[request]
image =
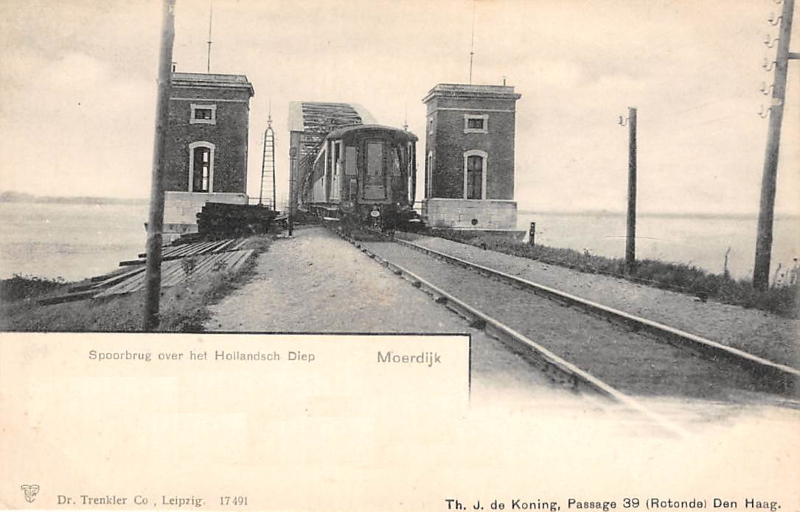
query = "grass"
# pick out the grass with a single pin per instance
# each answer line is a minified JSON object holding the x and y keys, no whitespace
{"x":780,"y":300}
{"x":22,"y":287}
{"x":183,"y":308}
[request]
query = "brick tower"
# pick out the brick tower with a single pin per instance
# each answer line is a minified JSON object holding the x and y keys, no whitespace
{"x":469,"y":165}
{"x":206,"y":146}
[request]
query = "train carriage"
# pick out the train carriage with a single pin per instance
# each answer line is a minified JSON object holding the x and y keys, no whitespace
{"x":364,"y":173}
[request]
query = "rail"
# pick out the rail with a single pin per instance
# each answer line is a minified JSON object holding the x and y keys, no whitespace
{"x":783,"y":376}
{"x":558,"y":369}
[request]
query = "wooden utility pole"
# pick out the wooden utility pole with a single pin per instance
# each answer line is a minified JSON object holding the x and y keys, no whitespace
{"x":766,"y":211}
{"x":630,"y":242}
{"x":155,"y":225}
{"x":292,"y":196}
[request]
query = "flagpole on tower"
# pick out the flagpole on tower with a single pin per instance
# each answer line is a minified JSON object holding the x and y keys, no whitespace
{"x":210,"y":16}
{"x":472,"y":43}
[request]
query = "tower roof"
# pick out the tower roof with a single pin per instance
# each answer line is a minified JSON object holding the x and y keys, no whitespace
{"x":209,"y":80}
{"x":467,"y":91}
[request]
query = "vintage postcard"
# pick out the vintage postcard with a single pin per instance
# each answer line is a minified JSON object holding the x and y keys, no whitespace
{"x":399,"y":255}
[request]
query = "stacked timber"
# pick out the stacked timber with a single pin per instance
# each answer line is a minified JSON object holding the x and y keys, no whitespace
{"x":221,"y":220}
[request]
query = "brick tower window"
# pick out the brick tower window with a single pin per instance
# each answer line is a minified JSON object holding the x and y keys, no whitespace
{"x":476,"y":123}
{"x":201,"y":167}
{"x":475,"y":174}
{"x":203,"y":114}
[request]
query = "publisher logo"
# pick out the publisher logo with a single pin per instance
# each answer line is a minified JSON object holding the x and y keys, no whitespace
{"x":30,"y":492}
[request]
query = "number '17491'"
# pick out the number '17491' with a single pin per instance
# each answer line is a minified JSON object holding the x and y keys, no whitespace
{"x":236,"y":501}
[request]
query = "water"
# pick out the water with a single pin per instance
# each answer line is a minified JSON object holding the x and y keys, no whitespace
{"x":72,"y":241}
{"x":75,"y":241}
{"x":701,"y":241}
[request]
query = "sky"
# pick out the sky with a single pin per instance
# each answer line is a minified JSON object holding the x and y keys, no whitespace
{"x":78,"y":82}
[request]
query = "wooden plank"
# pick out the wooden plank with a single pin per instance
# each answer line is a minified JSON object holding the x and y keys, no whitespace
{"x":229,"y":244}
{"x":202,"y":246}
{"x":181,"y":250}
{"x":172,"y":277}
{"x":167,"y":249}
{"x":128,"y":286}
{"x":173,"y":273}
{"x":188,"y":250}
{"x":241,"y":261}
{"x":127,"y":263}
{"x":173,"y":250}
{"x":107,"y":275}
{"x":224,"y":246}
{"x":124,"y":286}
{"x":118,"y":278}
{"x":239,"y":245}
{"x":70,"y":297}
{"x":209,"y":248}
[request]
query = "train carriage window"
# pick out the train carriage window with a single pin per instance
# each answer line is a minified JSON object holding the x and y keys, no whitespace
{"x":337,"y":157}
{"x":396,"y":162}
{"x":374,"y":185}
{"x":374,"y":159}
{"x":350,"y":157}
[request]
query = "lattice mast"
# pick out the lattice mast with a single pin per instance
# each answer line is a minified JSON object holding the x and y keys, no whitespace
{"x":268,"y":187}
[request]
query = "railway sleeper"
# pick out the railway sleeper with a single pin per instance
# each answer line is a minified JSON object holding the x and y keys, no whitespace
{"x":478,"y":323}
{"x":771,"y":378}
{"x":777,"y":379}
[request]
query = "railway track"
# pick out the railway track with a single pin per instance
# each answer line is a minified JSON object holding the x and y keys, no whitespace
{"x":584,"y":345}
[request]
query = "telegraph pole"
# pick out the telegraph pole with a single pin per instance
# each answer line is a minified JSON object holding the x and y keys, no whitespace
{"x":766,"y":211}
{"x":292,"y":178}
{"x":155,"y":225}
{"x":630,"y":241}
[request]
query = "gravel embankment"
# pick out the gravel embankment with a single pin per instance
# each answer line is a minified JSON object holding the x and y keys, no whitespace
{"x":765,"y":335}
{"x":316,"y":282}
{"x":631,"y":363}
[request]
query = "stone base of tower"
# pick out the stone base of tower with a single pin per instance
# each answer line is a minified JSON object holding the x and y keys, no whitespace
{"x":181,"y":209}
{"x":484,"y":215}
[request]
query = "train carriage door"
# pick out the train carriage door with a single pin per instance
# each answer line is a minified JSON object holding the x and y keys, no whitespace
{"x":351,"y":172}
{"x":326,"y":172}
{"x":411,"y":173}
{"x":337,"y":171}
{"x":375,"y":178}
{"x":396,"y":187}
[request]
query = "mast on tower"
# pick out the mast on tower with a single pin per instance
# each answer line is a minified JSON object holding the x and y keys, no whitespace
{"x":210,"y":15}
{"x":268,"y":188}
